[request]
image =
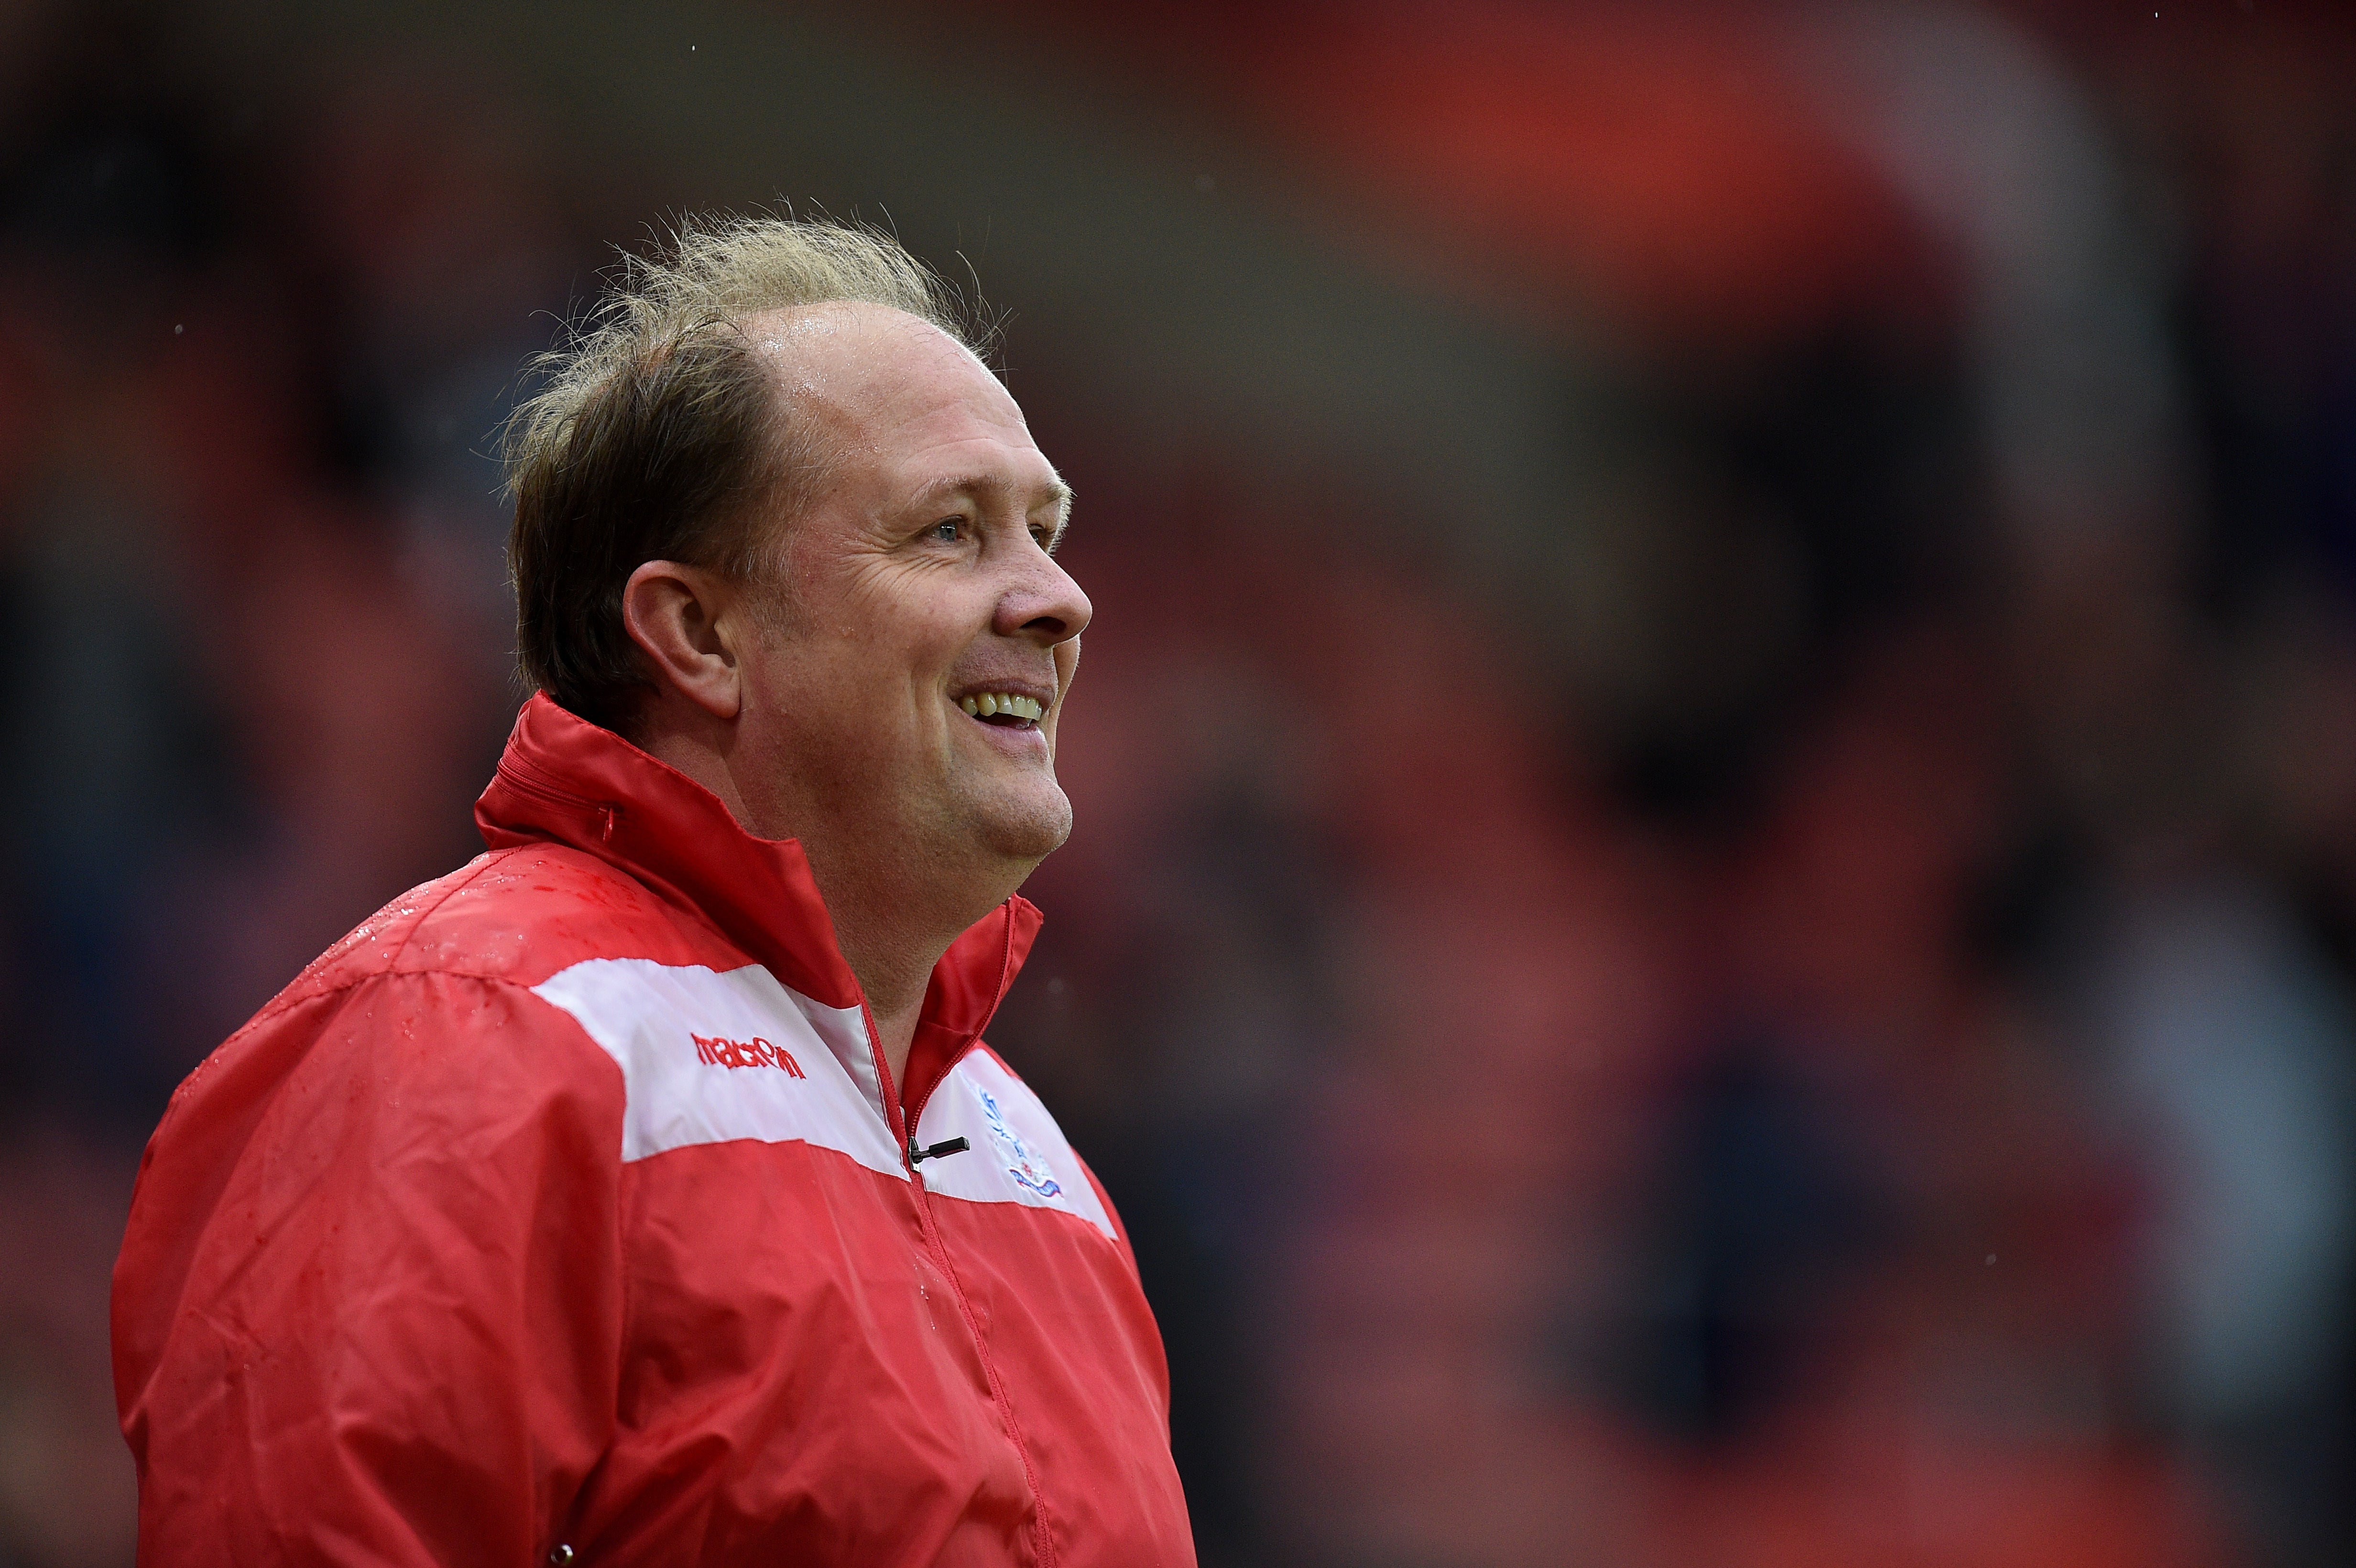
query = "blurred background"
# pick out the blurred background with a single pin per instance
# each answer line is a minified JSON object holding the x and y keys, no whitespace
{"x":1714,"y":918}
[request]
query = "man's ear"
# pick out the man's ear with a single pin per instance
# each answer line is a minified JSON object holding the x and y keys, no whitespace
{"x":673,"y":613}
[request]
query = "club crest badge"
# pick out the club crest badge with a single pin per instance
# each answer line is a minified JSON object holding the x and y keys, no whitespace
{"x":1027,"y":1167}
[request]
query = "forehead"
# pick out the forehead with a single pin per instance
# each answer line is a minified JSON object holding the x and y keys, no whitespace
{"x":888,"y":386}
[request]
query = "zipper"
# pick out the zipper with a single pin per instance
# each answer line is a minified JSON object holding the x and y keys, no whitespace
{"x":525,"y":783}
{"x":901,"y":1126}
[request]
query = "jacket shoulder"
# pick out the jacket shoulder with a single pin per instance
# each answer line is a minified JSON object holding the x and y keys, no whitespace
{"x":517,"y":915}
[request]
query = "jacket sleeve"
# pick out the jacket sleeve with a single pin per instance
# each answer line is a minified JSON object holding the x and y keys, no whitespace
{"x":369,"y":1305}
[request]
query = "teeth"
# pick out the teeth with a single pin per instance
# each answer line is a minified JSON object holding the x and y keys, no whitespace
{"x":984,"y":704}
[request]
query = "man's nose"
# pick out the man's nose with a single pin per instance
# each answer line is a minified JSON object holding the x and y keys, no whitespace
{"x":1043,"y":605}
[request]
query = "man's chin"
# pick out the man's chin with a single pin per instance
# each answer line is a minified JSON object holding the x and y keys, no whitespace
{"x":1030,"y":830}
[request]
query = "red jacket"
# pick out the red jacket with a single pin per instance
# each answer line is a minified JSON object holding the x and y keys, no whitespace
{"x":567,"y":1202}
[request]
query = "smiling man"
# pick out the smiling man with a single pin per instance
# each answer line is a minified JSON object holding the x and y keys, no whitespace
{"x":642,"y":1192}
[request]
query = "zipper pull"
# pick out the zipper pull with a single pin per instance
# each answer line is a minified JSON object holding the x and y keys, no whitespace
{"x":947,"y":1146}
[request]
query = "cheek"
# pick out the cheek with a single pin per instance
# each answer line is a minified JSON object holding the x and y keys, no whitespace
{"x":923,"y":650}
{"x":908,"y":617}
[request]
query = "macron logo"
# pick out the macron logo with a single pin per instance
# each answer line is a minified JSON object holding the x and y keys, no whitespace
{"x":757,"y":1053}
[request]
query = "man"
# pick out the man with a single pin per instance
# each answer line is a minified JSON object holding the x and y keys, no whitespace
{"x":642,"y":1192}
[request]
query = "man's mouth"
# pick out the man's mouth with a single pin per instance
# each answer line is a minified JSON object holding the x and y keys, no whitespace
{"x":1006,"y":709}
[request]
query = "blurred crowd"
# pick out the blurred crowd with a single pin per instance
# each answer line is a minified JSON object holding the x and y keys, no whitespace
{"x":1825,"y":1036}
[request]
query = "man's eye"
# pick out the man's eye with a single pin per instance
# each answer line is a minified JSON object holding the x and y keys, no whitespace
{"x":947,"y":529}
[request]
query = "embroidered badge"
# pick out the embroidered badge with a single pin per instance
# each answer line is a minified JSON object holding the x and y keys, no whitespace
{"x":1028,"y":1169}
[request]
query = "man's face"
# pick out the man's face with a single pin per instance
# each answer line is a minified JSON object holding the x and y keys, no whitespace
{"x":919,"y":594}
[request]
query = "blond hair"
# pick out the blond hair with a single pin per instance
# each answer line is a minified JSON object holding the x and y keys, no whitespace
{"x":656,"y":433}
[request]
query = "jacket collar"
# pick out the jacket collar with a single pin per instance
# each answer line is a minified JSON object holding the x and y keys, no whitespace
{"x":564,"y":779}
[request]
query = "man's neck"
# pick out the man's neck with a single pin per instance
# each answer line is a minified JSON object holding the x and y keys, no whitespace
{"x":892,"y":975}
{"x":891,"y":921}
{"x":894,"y":915}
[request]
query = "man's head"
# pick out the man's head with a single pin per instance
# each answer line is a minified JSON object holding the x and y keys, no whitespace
{"x":778,"y":522}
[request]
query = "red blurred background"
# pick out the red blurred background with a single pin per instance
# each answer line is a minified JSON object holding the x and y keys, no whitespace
{"x":1715,"y":908}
